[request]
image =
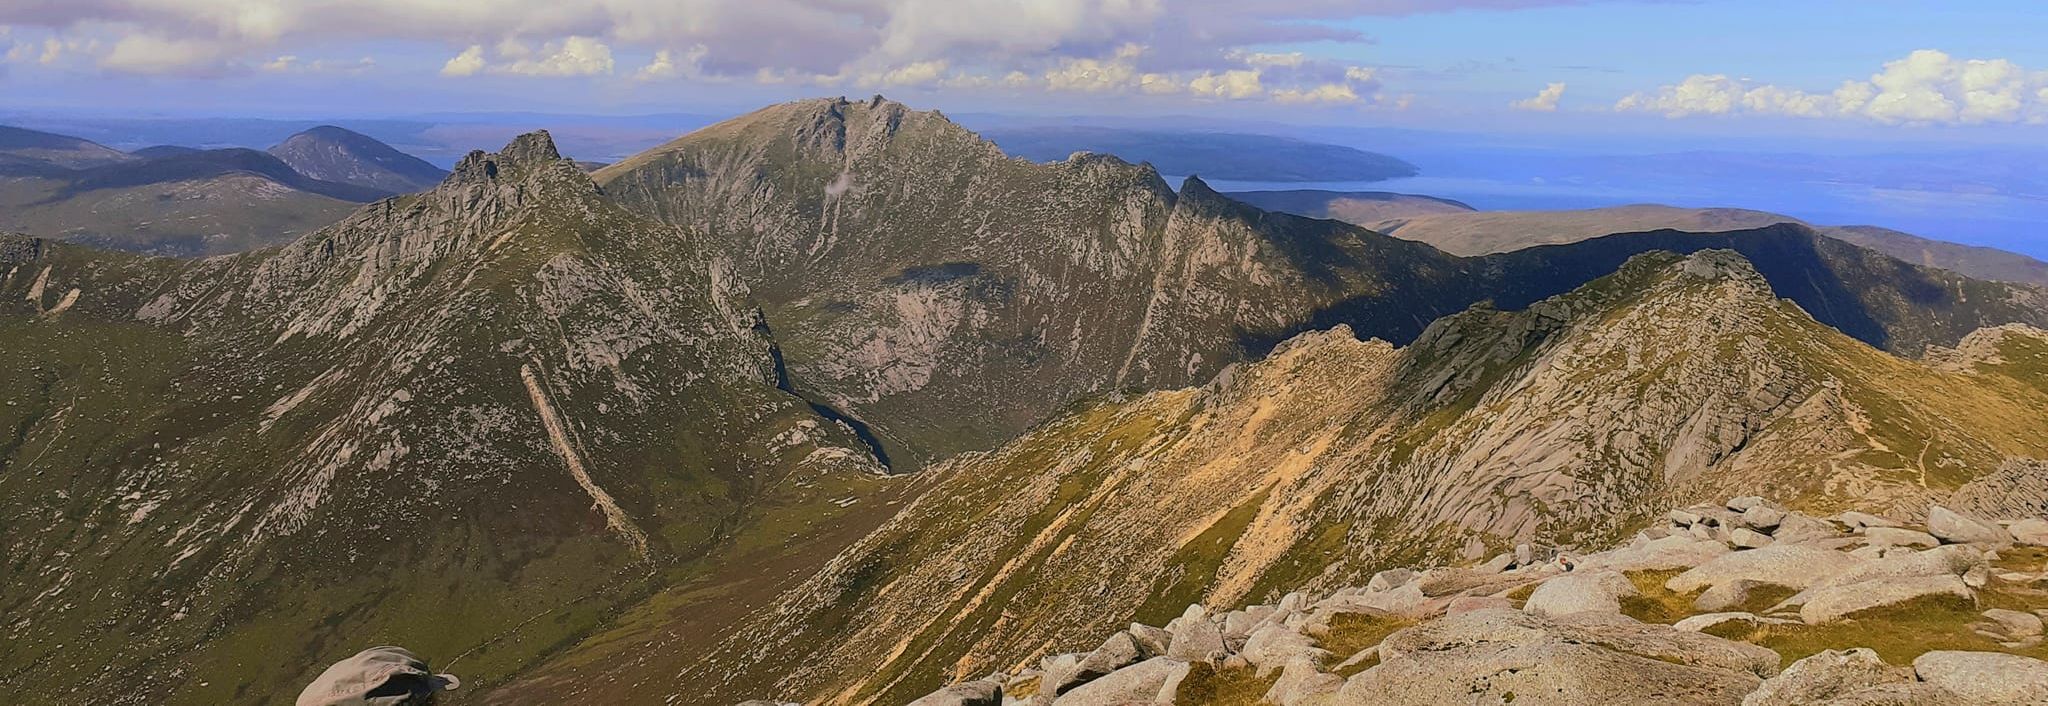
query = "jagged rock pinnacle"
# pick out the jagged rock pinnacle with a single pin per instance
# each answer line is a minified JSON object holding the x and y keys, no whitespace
{"x":523,"y":152}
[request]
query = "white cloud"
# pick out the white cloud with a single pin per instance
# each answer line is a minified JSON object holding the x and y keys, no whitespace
{"x":467,"y":63}
{"x":1927,"y":87}
{"x":667,"y":64}
{"x":922,"y":73}
{"x":572,"y":56}
{"x":1325,"y":93}
{"x":1233,"y":85}
{"x":1117,"y":72}
{"x":1545,"y":101}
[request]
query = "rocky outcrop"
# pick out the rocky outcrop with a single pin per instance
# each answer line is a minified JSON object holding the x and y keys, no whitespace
{"x":1476,"y":645}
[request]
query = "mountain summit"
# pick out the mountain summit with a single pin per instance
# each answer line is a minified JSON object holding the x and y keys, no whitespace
{"x":341,"y":155}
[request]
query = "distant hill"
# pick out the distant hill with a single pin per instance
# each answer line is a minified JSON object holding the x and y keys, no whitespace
{"x":1355,"y":207}
{"x":344,"y":156}
{"x":155,"y":151}
{"x":1215,"y":155}
{"x":1484,"y":232}
{"x":165,"y":200}
{"x":20,"y":147}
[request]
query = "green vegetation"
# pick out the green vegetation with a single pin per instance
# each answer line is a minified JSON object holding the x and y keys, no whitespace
{"x":1206,"y":685}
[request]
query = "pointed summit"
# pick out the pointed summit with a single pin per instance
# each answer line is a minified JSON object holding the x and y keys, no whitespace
{"x":523,"y":155}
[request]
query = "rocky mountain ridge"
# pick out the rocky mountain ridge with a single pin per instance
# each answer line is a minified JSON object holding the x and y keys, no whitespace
{"x":1483,"y":433}
{"x":388,"y":428}
{"x":912,"y":271}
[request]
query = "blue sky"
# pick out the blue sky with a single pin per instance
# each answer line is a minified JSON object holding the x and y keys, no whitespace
{"x":1747,"y":66}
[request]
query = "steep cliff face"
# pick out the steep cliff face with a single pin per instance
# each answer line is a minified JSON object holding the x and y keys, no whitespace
{"x":471,"y":420}
{"x":1569,"y":423}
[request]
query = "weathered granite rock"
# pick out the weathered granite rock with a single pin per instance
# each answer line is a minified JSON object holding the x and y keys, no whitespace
{"x":2017,"y":490}
{"x":1796,"y":566}
{"x":2031,"y":531}
{"x":1744,"y":503}
{"x":1709,"y":621}
{"x":1153,"y":681}
{"x":1580,"y":593}
{"x":1152,"y":641}
{"x":1899,"y":537}
{"x":972,"y":693}
{"x":1482,"y":656}
{"x":1859,"y":520}
{"x":1390,"y":579}
{"x":1953,"y":528}
{"x":1827,"y":676}
{"x":1986,"y":678}
{"x":1763,"y":518}
{"x":1682,"y":551}
{"x":1300,"y":681}
{"x":1196,"y":639}
{"x":1724,"y":596}
{"x":1119,"y":651}
{"x":1746,"y":538}
{"x":1836,"y":602}
{"x":1273,"y":646}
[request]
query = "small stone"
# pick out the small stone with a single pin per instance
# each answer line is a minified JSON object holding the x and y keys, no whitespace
{"x":1682,"y":518}
{"x":1744,"y":503}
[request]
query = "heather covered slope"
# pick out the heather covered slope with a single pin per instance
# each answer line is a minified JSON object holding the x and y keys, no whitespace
{"x":471,"y":421}
{"x":1571,"y":423}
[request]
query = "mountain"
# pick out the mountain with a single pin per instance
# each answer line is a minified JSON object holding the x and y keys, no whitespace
{"x":28,"y":151}
{"x":1973,"y":260}
{"x":177,"y":202}
{"x":1571,"y":423}
{"x":1480,"y":233}
{"x":475,"y":420}
{"x":1354,"y":207}
{"x":569,"y":430}
{"x":155,"y":151}
{"x":948,"y":296}
{"x":1218,"y":155}
{"x":338,"y":155}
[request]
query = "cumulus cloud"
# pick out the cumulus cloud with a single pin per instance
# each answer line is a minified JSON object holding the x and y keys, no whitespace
{"x":1545,"y":101}
{"x":1927,"y":87}
{"x":1068,"y":45}
{"x":467,"y":63}
{"x":668,"y":64}
{"x":571,"y":56}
